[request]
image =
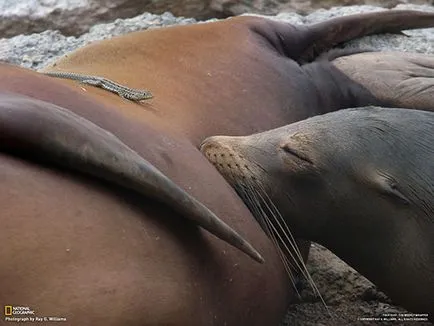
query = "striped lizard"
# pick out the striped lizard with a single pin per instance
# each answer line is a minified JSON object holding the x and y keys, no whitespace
{"x":125,"y":92}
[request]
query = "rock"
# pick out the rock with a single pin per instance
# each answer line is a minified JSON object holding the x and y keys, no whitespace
{"x":37,"y":50}
{"x":273,"y":7}
{"x":75,"y":17}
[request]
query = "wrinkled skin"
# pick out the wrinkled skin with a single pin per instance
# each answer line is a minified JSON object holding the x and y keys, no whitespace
{"x":97,"y":254}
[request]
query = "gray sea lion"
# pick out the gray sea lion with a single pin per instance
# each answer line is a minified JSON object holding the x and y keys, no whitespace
{"x":404,"y":79}
{"x":88,"y":244}
{"x":358,"y":181}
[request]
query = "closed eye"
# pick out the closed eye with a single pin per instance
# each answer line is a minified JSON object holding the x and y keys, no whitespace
{"x":295,"y":153}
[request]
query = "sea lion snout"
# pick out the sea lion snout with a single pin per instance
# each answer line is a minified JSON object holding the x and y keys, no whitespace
{"x":213,"y":144}
{"x":218,"y":150}
{"x":226,"y":154}
{"x":247,"y":157}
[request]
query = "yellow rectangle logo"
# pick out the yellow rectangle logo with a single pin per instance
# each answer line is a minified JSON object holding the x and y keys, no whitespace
{"x":8,"y":310}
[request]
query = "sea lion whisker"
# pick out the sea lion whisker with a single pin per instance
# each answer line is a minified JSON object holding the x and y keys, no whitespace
{"x":274,"y":231}
{"x":251,"y":201}
{"x":290,"y":252}
{"x":286,"y":230}
{"x":254,"y":205}
{"x":287,"y":264}
{"x":294,"y":246}
{"x":278,"y":217}
{"x":267,"y":223}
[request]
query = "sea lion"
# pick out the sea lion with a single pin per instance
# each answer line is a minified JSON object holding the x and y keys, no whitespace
{"x":358,"y":181}
{"x":404,"y":79}
{"x":100,"y":244}
{"x":76,"y":142}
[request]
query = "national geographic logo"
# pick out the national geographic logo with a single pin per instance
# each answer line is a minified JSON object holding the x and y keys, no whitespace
{"x":18,"y":310}
{"x":22,"y":314}
{"x":8,"y":310}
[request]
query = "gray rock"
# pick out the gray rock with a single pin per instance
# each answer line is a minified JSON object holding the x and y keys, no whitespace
{"x":71,"y":17}
{"x":37,"y":50}
{"x":75,"y":17}
{"x":273,"y":7}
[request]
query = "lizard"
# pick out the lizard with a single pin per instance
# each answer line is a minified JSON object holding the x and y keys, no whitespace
{"x":132,"y":94}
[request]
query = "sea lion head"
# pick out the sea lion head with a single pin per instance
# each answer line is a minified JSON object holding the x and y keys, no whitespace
{"x":358,"y":181}
{"x":314,"y":174}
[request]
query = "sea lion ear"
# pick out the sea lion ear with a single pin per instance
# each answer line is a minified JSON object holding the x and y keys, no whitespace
{"x":388,"y":186}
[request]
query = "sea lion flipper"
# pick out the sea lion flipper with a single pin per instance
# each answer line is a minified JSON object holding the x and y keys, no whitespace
{"x":29,"y":126}
{"x":396,"y":79}
{"x":322,"y":36}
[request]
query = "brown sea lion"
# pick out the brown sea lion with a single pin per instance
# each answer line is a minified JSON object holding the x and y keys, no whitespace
{"x":72,"y":141}
{"x":87,"y":245}
{"x":358,"y":181}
